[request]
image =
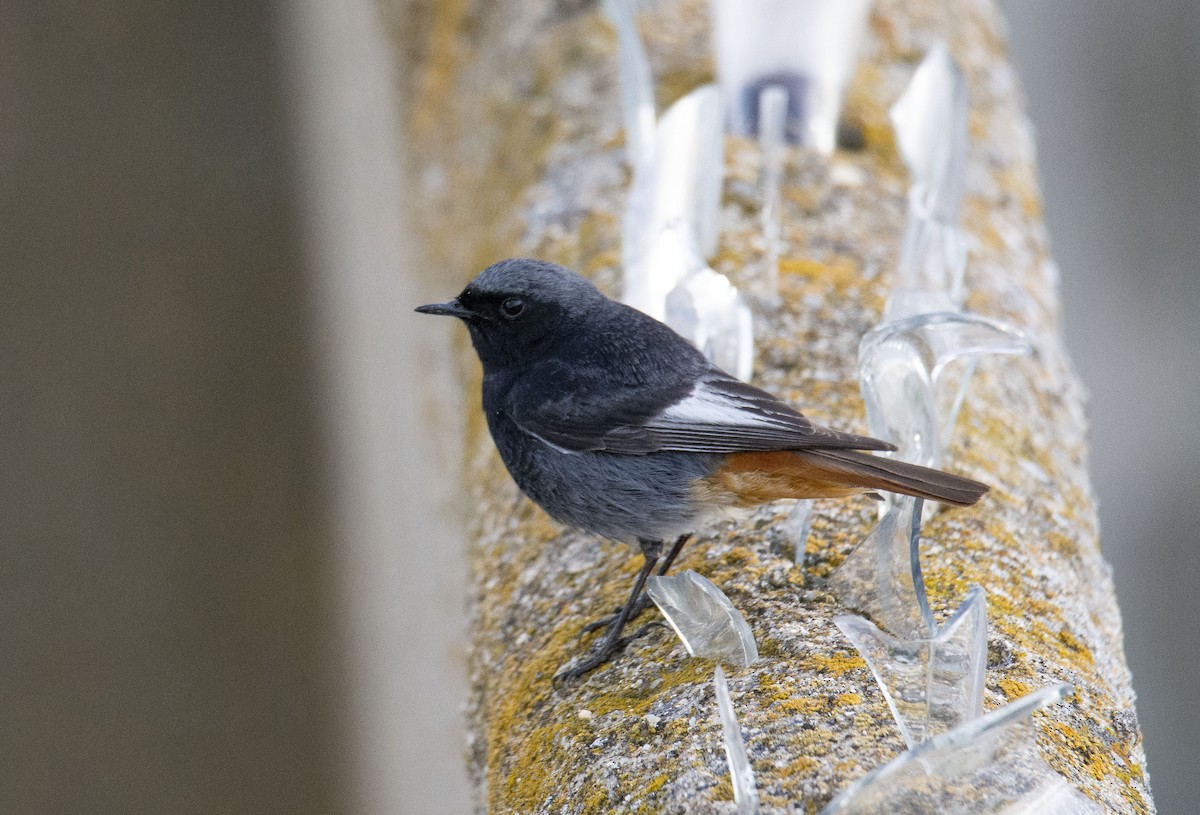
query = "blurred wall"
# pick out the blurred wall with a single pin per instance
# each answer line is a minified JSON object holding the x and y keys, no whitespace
{"x":388,"y":377}
{"x":168,"y":639}
{"x":1114,"y":91}
{"x":225,"y":531}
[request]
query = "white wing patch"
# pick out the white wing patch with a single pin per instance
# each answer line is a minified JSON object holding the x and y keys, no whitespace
{"x":719,"y":415}
{"x":705,"y":406}
{"x":724,"y":415}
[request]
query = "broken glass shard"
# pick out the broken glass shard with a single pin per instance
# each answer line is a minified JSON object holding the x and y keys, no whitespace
{"x":906,"y":376}
{"x":988,"y":766}
{"x":723,"y":325}
{"x":930,"y":122}
{"x":932,"y":684}
{"x":772,"y":121}
{"x":707,"y":309}
{"x":808,"y":47}
{"x":671,"y":226}
{"x":933,"y":260}
{"x":637,"y":84}
{"x":671,"y":257}
{"x":798,"y":527}
{"x":679,"y":188}
{"x":702,"y":306}
{"x":745,"y":790}
{"x":882,"y":576}
{"x":905,"y":301}
{"x":706,"y":622}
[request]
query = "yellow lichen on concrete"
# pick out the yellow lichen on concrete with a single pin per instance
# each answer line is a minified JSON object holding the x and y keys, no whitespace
{"x":1094,"y":757}
{"x":521,"y":153}
{"x":835,"y":664}
{"x":867,"y":112}
{"x":1013,"y":689}
{"x":839,"y":273}
{"x":444,"y":50}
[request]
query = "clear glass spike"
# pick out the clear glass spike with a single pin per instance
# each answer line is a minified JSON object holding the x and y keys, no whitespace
{"x":808,"y":47}
{"x":906,"y":301}
{"x":934,"y":684}
{"x":707,"y":309}
{"x":933,"y":261}
{"x":930,"y":122}
{"x":637,"y":84}
{"x":907,"y":375}
{"x":679,"y":188}
{"x":798,"y":527}
{"x":745,"y":790}
{"x":772,"y":134}
{"x":720,"y":321}
{"x":988,"y":766}
{"x":703,"y":617}
{"x":882,"y":576}
{"x":671,"y":226}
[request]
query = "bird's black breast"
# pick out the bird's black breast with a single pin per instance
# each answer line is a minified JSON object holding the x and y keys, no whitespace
{"x":622,"y":497}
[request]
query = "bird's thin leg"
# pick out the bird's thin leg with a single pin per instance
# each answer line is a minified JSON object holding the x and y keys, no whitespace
{"x":613,"y":643}
{"x":643,"y":602}
{"x":676,"y":548}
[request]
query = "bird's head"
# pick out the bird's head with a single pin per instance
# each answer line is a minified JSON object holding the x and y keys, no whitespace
{"x":520,"y":308}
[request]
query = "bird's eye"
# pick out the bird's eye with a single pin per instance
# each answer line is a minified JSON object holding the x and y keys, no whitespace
{"x":512,"y":307}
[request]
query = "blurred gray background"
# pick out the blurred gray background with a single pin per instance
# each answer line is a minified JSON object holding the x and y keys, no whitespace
{"x":1114,"y":94}
{"x":220,"y":591}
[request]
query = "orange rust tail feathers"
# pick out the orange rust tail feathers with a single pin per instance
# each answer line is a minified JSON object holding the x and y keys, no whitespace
{"x":755,"y":478}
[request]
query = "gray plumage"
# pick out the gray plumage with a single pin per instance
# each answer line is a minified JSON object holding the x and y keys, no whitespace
{"x":614,"y":423}
{"x":608,"y":419}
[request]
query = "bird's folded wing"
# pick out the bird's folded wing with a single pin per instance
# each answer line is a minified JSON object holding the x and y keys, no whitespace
{"x":717,"y":414}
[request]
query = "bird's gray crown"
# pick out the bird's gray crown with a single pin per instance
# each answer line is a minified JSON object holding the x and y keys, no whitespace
{"x":534,"y":278}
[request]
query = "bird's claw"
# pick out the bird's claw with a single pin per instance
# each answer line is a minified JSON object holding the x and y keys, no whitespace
{"x":602,"y":653}
{"x":642,"y":604}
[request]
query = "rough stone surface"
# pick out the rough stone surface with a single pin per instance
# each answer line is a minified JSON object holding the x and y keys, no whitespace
{"x":515,"y":120}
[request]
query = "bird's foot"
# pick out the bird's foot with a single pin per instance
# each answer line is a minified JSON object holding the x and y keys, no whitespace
{"x":603,"y":652}
{"x":607,"y":620}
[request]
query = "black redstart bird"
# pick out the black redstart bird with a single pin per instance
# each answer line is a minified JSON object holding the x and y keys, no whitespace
{"x":612,"y":422}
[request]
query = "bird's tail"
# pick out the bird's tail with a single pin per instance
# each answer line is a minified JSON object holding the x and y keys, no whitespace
{"x":879,"y":473}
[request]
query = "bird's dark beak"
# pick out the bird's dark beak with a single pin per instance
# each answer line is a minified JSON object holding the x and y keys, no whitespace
{"x":451,"y":309}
